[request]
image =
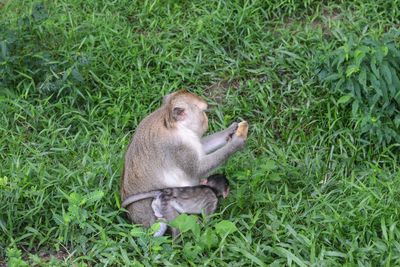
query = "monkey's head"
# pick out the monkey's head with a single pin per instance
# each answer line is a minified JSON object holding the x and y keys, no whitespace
{"x":188,"y":110}
{"x":220,"y":184}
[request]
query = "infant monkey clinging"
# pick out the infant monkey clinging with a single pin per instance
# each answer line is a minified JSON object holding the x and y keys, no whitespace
{"x":168,"y":203}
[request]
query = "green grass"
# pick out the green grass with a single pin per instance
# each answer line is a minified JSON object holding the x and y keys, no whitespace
{"x":76,"y":77}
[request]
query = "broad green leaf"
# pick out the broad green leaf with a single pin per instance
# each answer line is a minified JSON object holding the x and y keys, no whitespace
{"x":379,"y":55}
{"x":76,"y":199}
{"x":191,"y":251}
{"x":354,"y":108}
{"x":362,"y":78}
{"x":384,"y":49}
{"x":376,"y":84}
{"x":385,"y":70}
{"x":138,"y":232}
{"x":332,"y":77}
{"x":225,"y":227}
{"x":268,"y":165}
{"x":350,"y":87}
{"x":95,"y":196}
{"x":340,"y":59}
{"x":397,"y":121}
{"x":359,"y":54}
{"x":339,"y":84}
{"x":186,"y":223}
{"x":374,"y":68}
{"x":393,"y":89}
{"x":357,"y":90}
{"x":344,"y":99}
{"x":396,"y":81}
{"x":209,"y":239}
{"x":374,"y":100}
{"x":351,"y":70}
{"x":3,"y":181}
{"x":275,"y":177}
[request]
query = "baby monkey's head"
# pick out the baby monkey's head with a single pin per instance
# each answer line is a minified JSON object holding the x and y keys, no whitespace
{"x":219,"y":183}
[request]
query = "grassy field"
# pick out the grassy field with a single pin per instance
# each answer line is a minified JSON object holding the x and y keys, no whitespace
{"x":76,"y":77}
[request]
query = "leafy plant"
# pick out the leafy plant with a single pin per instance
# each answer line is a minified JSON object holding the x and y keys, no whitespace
{"x":365,"y":73}
{"x":77,"y":213}
{"x":14,"y":256}
{"x":204,"y":242}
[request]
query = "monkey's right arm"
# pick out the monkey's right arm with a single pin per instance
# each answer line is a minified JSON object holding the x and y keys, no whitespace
{"x":217,"y":140}
{"x":213,"y":160}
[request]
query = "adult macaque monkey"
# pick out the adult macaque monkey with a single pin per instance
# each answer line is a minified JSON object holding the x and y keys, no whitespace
{"x":167,"y":150}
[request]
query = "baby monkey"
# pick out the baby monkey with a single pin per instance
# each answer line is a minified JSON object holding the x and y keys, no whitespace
{"x":168,"y":203}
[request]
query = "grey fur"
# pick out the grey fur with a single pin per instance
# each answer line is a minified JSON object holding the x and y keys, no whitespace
{"x":168,"y":203}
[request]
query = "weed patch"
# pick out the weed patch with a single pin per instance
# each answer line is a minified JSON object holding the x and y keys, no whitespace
{"x":365,"y":74}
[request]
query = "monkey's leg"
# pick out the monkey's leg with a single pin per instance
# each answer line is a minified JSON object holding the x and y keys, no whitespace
{"x":211,"y":207}
{"x":157,"y":205}
{"x":170,"y":214}
{"x":140,"y":213}
{"x":163,"y":229}
{"x":219,"y":139}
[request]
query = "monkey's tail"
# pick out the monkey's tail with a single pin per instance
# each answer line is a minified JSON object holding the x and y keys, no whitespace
{"x":140,"y":196}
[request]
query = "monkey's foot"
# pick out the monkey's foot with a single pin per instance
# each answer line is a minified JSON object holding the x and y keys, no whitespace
{"x":163,"y":229}
{"x":243,"y":129}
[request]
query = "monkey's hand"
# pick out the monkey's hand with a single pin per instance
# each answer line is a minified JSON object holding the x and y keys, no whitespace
{"x":240,"y":136}
{"x":237,"y":142}
{"x":242,"y":130}
{"x":231,"y":130}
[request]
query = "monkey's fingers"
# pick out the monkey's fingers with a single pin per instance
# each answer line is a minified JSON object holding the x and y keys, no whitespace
{"x":243,"y":129}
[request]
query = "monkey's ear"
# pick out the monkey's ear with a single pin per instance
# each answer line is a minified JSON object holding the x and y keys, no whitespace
{"x":166,"y":98}
{"x":178,"y":113}
{"x":225,"y":193}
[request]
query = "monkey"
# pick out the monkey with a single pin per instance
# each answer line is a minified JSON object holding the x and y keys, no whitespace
{"x":168,"y":203}
{"x":168,"y":150}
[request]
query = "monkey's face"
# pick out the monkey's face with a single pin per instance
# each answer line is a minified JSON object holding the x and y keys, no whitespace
{"x":196,"y":118}
{"x":219,"y":182}
{"x":188,"y":110}
{"x":202,"y":118}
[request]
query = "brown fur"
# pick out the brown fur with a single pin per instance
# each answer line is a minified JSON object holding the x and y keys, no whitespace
{"x":138,"y":177}
{"x":167,"y":151}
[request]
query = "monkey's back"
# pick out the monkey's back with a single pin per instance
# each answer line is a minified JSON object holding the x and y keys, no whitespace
{"x":148,"y":165}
